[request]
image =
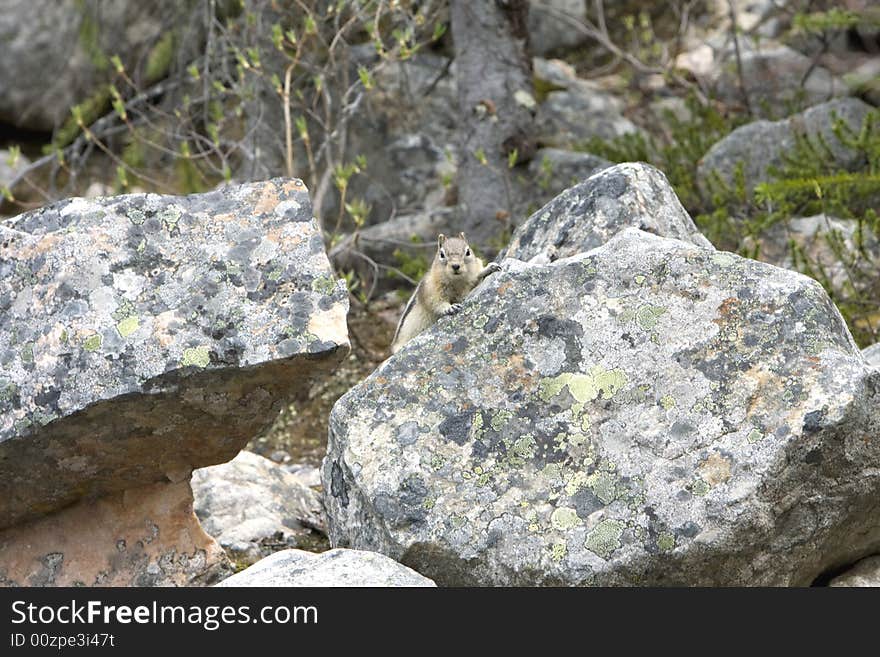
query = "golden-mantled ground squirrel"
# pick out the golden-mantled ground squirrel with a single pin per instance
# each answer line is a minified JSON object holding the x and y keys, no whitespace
{"x":454,"y":272}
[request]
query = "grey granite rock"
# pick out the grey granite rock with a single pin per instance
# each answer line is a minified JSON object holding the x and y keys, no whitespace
{"x":760,"y":145}
{"x":865,"y":573}
{"x":555,"y":170}
{"x":56,"y":52}
{"x":629,"y":195}
{"x":143,"y":336}
{"x":872,"y":355}
{"x":776,"y":78}
{"x":550,"y":32}
{"x":569,"y":118}
{"x":349,"y":568}
{"x":646,"y":413}
{"x":253,"y":507}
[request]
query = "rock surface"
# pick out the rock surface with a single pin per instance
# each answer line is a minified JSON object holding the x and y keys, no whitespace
{"x":548,"y":31}
{"x":865,"y":573}
{"x":555,"y":170}
{"x":145,"y":536}
{"x":253,"y":507}
{"x":630,"y":195}
{"x":649,"y":412}
{"x":570,"y":117}
{"x":872,"y":355}
{"x":775,"y":79}
{"x":760,"y":145}
{"x":74,"y":39}
{"x":823,"y":239}
{"x":334,"y":568}
{"x":143,"y":336}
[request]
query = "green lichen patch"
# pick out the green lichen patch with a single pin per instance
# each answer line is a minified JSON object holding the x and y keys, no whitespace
{"x":666,"y":542}
{"x":324,"y":284}
{"x":198,"y":356}
{"x":647,"y":316}
{"x":93,"y":342}
{"x":585,"y":387}
{"x":604,"y":539}
{"x":128,"y":326}
{"x":755,"y":436}
{"x":564,"y":518}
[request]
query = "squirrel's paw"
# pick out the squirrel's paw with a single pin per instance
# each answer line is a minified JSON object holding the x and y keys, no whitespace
{"x":454,"y":308}
{"x":493,"y":267}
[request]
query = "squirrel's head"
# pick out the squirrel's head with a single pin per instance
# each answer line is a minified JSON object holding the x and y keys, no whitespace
{"x":453,"y":253}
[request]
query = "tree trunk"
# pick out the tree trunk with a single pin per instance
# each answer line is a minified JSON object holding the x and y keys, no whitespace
{"x":494,"y":97}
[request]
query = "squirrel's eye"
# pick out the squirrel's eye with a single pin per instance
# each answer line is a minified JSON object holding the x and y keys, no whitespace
{"x":467,"y":253}
{"x":442,"y":255}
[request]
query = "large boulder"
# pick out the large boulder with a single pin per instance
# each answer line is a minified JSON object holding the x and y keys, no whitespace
{"x":760,"y":145}
{"x":629,"y":195}
{"x":348,"y":568}
{"x":74,"y":40}
{"x":254,"y":508}
{"x":649,"y":412}
{"x":872,"y":355}
{"x":145,"y":536}
{"x":143,"y":336}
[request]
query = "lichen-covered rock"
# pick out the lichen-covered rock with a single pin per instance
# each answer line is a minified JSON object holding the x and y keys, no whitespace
{"x":872,"y":355}
{"x":649,"y":412}
{"x":865,"y":573}
{"x":334,"y":568}
{"x":253,"y":507}
{"x":143,"y":336}
{"x":758,"y":146}
{"x":629,"y":195}
{"x":145,"y":536}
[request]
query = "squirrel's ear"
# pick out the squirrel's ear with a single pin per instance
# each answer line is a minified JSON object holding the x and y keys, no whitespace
{"x":463,"y":238}
{"x":441,"y":239}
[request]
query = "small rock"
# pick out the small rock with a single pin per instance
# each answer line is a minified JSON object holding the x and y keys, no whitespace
{"x":307,"y":475}
{"x":569,"y":118}
{"x":349,"y":568}
{"x":872,"y":355}
{"x":253,"y":507}
{"x":865,"y":573}
{"x":549,"y":32}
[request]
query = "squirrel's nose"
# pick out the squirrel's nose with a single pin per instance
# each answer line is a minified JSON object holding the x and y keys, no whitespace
{"x":456,"y":267}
